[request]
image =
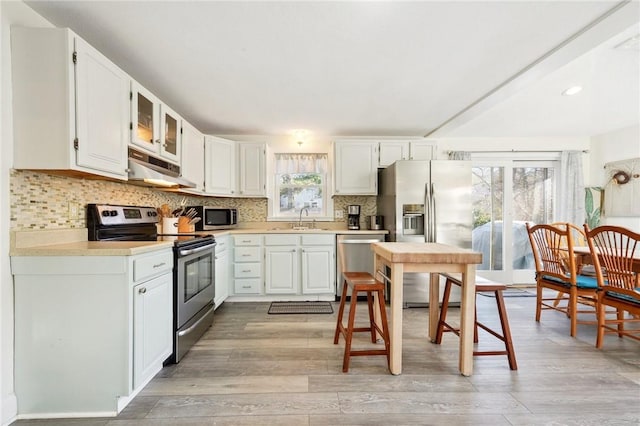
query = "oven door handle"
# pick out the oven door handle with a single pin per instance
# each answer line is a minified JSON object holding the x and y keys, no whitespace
{"x":194,"y":326}
{"x":195,"y":250}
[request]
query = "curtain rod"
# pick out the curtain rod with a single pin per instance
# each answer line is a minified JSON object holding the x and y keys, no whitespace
{"x":584,"y":151}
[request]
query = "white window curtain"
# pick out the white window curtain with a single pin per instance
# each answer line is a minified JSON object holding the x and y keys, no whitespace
{"x":301,"y":163}
{"x":571,"y":188}
{"x":459,"y":155}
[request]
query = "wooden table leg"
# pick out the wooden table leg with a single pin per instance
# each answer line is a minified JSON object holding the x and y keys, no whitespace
{"x":397,"y":270}
{"x":434,"y":310}
{"x":467,"y":315}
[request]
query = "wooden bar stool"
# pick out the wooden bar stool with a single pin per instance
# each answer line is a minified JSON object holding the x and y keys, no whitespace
{"x":482,"y":285}
{"x":362,"y":282}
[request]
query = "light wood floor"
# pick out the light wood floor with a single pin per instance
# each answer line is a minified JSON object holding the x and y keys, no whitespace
{"x":252,"y":368}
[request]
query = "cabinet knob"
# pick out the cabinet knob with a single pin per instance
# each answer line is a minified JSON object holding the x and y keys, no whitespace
{"x":143,"y":290}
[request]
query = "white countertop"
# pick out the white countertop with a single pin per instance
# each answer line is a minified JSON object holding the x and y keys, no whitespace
{"x":73,"y":242}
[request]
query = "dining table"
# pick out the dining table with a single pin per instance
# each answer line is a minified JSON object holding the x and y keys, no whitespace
{"x":432,"y":258}
{"x":583,"y":257}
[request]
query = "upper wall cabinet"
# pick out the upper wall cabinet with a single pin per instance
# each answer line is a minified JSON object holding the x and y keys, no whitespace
{"x":356,"y":167}
{"x":251,"y":170}
{"x":70,"y":105}
{"x":392,"y":151}
{"x":219,"y":166}
{"x":422,"y":150}
{"x":192,"y":157}
{"x":154,"y":126}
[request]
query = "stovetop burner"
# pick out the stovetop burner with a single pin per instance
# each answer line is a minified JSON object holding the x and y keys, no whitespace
{"x":110,"y":222}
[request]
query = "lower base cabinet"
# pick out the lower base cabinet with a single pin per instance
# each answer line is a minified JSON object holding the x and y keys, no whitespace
{"x":90,"y":331}
{"x":152,"y":327}
{"x":221,"y":271}
{"x":294,"y":266}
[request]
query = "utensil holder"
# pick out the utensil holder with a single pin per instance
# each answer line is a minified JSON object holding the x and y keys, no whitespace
{"x":170,"y":225}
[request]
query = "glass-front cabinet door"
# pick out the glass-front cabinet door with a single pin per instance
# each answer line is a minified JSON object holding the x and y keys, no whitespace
{"x":170,"y":126}
{"x":144,"y":118}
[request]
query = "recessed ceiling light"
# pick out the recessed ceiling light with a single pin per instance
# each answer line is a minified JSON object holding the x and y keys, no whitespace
{"x":632,"y":43}
{"x":572,"y":91}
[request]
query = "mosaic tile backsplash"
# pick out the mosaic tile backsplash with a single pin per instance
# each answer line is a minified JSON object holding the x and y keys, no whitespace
{"x":45,"y":201}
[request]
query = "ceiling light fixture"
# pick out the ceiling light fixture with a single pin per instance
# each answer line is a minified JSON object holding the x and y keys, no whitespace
{"x":572,"y":91}
{"x":300,"y":136}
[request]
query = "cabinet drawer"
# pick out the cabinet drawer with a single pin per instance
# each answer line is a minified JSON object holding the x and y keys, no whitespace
{"x":247,"y":240}
{"x":281,"y":240}
{"x":247,"y":270}
{"x":250,"y":286}
{"x":152,"y":264}
{"x":318,"y":240}
{"x":247,"y":254}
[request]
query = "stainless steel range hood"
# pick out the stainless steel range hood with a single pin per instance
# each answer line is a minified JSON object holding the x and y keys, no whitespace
{"x":146,"y":170}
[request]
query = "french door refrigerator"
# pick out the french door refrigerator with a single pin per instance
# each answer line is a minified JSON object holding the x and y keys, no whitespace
{"x":426,"y":201}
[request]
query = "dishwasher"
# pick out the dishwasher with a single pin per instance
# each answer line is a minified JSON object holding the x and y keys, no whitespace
{"x":354,"y":255}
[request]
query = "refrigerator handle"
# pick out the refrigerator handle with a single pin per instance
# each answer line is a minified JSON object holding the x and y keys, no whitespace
{"x":432,"y":220}
{"x":427,"y":214}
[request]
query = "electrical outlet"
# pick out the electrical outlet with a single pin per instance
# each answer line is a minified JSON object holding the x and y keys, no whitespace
{"x":338,"y":214}
{"x":73,"y":210}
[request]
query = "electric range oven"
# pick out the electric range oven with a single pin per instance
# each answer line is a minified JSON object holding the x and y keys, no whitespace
{"x":193,"y":266}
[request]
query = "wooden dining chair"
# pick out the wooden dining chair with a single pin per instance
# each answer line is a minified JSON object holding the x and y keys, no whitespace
{"x":579,"y":239}
{"x":556,"y":270}
{"x":615,"y":252}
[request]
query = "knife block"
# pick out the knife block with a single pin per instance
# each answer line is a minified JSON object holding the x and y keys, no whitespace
{"x":184,"y":227}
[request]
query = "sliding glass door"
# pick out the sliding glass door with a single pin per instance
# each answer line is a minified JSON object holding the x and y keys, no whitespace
{"x":506,"y":195}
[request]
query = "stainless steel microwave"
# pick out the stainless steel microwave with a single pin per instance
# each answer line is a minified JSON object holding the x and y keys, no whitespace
{"x":212,"y":218}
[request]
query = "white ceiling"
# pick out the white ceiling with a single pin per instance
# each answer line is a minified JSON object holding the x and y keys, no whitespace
{"x":373,"y":68}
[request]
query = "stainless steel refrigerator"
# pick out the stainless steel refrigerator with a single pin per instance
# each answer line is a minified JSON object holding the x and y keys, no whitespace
{"x":426,"y":201}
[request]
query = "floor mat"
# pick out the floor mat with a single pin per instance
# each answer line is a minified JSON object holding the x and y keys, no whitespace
{"x":300,"y":308}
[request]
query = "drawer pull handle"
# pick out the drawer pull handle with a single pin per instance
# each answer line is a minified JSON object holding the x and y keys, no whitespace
{"x":246,"y":270}
{"x":246,"y":286}
{"x":158,"y":265}
{"x":246,"y":255}
{"x":143,"y":290}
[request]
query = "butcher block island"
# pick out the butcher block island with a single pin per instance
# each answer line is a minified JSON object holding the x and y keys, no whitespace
{"x":434,"y":258}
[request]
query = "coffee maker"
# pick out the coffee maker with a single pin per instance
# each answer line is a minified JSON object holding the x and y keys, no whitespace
{"x":353,"y":217}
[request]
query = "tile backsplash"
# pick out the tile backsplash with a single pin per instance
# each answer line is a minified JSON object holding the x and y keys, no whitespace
{"x":46,"y":201}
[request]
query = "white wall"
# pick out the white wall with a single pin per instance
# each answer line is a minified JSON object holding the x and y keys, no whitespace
{"x":11,"y":13}
{"x":622,"y":144}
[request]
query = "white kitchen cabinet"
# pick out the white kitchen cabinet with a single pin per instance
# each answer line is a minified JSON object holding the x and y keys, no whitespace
{"x":222,"y":270}
{"x":356,"y":168}
{"x":422,"y":151}
{"x":318,"y":261}
{"x":152,"y":341}
{"x":220,"y":166}
{"x":251,"y":169}
{"x":192,"y":157}
{"x":392,"y":151}
{"x":70,"y":105}
{"x":247,"y":264}
{"x":155,"y":127}
{"x":104,"y":320}
{"x":281,"y":264}
{"x":289,"y":266}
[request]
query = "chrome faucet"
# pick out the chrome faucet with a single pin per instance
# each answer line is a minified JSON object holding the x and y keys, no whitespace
{"x":300,"y":220}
